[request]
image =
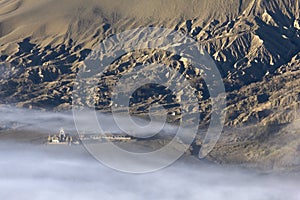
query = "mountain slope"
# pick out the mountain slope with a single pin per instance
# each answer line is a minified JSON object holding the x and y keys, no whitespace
{"x":255,"y":44}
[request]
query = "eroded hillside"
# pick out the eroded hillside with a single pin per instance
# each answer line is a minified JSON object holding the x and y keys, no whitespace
{"x":255,"y":44}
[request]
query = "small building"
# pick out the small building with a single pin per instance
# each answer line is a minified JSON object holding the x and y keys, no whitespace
{"x":60,"y":138}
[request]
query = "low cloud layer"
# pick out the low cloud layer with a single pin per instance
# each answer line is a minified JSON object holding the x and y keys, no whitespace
{"x":42,"y":173}
{"x":69,"y":172}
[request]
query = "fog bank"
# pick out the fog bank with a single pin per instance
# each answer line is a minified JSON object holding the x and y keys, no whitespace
{"x":42,"y":173}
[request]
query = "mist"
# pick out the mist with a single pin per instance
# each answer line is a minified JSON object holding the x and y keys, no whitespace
{"x":45,"y":121}
{"x":42,"y":173}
